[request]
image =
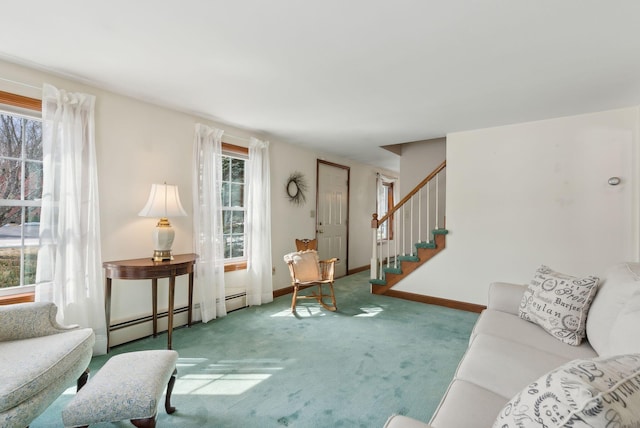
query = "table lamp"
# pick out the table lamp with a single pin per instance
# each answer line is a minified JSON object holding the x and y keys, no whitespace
{"x":164,"y":202}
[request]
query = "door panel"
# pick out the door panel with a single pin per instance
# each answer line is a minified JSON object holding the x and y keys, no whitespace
{"x":332,"y":219}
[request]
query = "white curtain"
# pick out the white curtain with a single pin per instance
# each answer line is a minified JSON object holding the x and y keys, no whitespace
{"x":69,"y":271}
{"x":258,"y":223}
{"x":207,"y":221}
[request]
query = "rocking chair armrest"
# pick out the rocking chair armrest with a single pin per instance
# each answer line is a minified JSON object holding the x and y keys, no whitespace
{"x":327,"y":267}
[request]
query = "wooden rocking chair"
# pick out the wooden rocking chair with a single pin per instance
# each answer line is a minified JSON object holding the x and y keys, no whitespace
{"x":306,"y":244}
{"x":307,"y":270}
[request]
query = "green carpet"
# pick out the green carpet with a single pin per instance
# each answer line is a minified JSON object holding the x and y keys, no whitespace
{"x":264,"y":367}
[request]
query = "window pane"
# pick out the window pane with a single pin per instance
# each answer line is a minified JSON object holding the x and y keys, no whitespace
{"x":10,"y":173}
{"x":33,"y":180}
{"x":227,"y":247}
{"x":9,"y":266}
{"x":237,"y":170}
{"x":237,"y":195}
{"x":10,"y":136}
{"x":226,"y":222}
{"x":384,"y":200}
{"x":237,"y":249}
{"x":33,"y":139}
{"x":238,"y":222}
{"x":30,"y":263}
{"x":225,"y":195}
{"x":10,"y":220}
{"x":32,"y":226}
{"x":225,"y":169}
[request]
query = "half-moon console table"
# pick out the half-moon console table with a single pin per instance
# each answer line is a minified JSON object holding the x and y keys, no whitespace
{"x":146,"y":268}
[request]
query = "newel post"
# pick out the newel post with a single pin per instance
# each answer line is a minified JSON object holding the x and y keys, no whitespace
{"x":373,"y":271}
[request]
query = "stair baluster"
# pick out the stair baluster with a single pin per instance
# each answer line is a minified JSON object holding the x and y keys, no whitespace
{"x":398,"y":236}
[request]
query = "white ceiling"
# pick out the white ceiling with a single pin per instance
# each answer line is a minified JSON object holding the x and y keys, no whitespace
{"x":344,"y":76}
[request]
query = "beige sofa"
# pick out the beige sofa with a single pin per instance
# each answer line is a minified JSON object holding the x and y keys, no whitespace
{"x":39,"y":359}
{"x":507,"y":353}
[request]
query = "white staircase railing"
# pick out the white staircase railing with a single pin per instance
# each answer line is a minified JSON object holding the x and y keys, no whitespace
{"x":408,"y":225}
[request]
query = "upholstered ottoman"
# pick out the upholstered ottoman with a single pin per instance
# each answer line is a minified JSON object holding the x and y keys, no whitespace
{"x":128,"y":386}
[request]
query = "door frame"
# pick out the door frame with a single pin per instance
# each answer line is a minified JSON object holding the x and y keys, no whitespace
{"x":348,"y":169}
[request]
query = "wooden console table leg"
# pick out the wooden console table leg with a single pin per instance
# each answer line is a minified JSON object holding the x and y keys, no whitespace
{"x":107,"y":307}
{"x":190,"y":299}
{"x":154,"y":304}
{"x":172,"y":289}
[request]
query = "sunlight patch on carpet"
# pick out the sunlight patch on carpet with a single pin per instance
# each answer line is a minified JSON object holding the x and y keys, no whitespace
{"x":214,"y":384}
{"x":302,"y":312}
{"x":370,"y":312}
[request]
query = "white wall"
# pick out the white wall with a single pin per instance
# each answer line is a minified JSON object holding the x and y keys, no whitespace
{"x":140,"y":143}
{"x":418,"y":159}
{"x":536,"y":193}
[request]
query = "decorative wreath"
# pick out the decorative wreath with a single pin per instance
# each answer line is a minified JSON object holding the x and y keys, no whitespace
{"x":295,"y":188}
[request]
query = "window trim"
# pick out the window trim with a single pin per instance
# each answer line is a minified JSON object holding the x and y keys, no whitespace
{"x":20,"y":101}
{"x":232,"y":148}
{"x":33,"y":104}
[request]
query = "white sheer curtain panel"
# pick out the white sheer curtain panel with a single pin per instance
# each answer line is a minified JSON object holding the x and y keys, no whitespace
{"x":207,"y":221}
{"x":258,"y":224}
{"x":69,"y":271}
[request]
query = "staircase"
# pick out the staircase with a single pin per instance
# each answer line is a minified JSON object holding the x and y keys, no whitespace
{"x":410,"y":234}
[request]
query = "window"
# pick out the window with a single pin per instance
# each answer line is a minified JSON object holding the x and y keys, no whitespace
{"x":233,"y":202}
{"x":385,"y":204}
{"x":20,"y":189}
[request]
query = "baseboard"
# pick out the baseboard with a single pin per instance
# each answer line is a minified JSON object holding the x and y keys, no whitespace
{"x":454,"y":304}
{"x":282,"y":291}
{"x":142,"y":326}
{"x":358,"y":269}
{"x":287,"y":290}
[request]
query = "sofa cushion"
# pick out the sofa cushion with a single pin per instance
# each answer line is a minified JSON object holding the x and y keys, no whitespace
{"x":467,"y":405}
{"x":515,"y":329}
{"x":43,"y":361}
{"x":624,"y":338}
{"x":505,"y":297}
{"x":597,"y":392}
{"x":504,"y":367}
{"x":620,"y":283}
{"x":559,"y":303}
{"x":400,"y":421}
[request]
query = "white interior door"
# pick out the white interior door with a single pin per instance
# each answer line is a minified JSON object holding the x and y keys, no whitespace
{"x":332,"y":219}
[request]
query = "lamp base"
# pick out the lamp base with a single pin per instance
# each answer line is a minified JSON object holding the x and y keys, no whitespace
{"x":162,"y":255}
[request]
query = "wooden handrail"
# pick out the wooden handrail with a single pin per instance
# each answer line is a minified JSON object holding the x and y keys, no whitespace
{"x":375,"y":223}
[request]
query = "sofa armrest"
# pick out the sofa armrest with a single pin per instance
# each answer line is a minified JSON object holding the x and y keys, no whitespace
{"x":399,"y":421}
{"x":27,"y":320}
{"x":505,"y":297}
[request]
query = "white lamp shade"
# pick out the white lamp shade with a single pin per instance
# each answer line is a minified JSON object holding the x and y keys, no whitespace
{"x":164,"y":202}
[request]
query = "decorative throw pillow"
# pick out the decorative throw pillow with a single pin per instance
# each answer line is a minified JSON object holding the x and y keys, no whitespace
{"x":620,"y":282}
{"x":600,"y":392}
{"x":306,"y":265}
{"x":559,"y":303}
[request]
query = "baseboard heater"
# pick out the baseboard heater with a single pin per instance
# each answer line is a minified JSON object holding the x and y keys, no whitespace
{"x":233,"y":302}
